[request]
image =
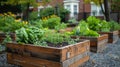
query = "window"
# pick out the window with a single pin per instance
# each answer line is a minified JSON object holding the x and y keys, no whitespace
{"x":68,"y":7}
{"x":96,"y":10}
{"x":75,"y":9}
{"x":94,"y":13}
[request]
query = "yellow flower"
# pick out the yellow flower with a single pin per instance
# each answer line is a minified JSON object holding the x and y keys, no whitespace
{"x":26,"y":22}
{"x":1,"y":14}
{"x":17,"y":20}
{"x":9,"y":13}
{"x":5,"y":14}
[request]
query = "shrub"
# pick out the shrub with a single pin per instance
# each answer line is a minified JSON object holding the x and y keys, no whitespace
{"x":51,"y":21}
{"x":8,"y":23}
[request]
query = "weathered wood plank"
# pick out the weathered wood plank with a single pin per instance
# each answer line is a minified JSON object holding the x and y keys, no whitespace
{"x":96,"y":43}
{"x":30,"y":61}
{"x":80,"y":62}
{"x":74,"y":51}
{"x":75,"y":60}
{"x":112,"y":36}
{"x":48,"y":53}
{"x":35,"y":56}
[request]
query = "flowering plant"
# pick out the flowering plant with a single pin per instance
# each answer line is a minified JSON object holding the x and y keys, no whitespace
{"x":8,"y":23}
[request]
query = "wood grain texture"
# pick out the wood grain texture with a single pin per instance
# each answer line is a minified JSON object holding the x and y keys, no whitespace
{"x":97,"y":44}
{"x":26,"y":61}
{"x":112,"y":36}
{"x":23,"y":54}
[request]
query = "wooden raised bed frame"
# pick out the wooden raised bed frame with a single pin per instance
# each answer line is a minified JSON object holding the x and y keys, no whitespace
{"x":112,"y":36}
{"x":35,"y":56}
{"x":97,"y":44}
{"x":3,"y":36}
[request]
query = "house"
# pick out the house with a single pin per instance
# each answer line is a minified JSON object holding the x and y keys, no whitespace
{"x":78,"y":9}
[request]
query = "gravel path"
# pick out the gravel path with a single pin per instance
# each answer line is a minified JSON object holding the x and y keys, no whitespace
{"x":110,"y":57}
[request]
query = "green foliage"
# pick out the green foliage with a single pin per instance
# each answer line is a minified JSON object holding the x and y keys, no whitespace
{"x":16,"y":2}
{"x":33,"y":15}
{"x":97,"y":2}
{"x":51,"y":22}
{"x":60,"y":26}
{"x":7,"y":39}
{"x":29,"y":35}
{"x":9,"y":24}
{"x":105,"y":26}
{"x":94,"y":23}
{"x":41,"y":37}
{"x":63,"y":14}
{"x":46,"y":12}
{"x":98,"y":25}
{"x":50,"y":11}
{"x":72,"y":20}
{"x":83,"y":30}
{"x":115,"y":5}
{"x":114,"y":25}
{"x":56,"y":38}
{"x":37,"y":23}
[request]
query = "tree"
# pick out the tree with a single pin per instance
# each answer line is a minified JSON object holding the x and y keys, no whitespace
{"x":25,"y":4}
{"x":105,"y":10}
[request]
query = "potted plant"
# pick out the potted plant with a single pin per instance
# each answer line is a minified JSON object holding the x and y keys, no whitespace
{"x":104,"y":27}
{"x":97,"y":42}
{"x":46,"y":48}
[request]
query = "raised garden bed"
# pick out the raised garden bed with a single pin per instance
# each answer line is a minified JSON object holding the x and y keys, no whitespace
{"x":112,"y":36}
{"x":97,"y":44}
{"x":3,"y":36}
{"x":36,"y":56}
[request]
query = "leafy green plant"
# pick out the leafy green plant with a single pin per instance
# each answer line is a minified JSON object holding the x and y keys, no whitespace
{"x":51,"y":22}
{"x":114,"y":25}
{"x":33,"y":15}
{"x":46,"y":12}
{"x":98,"y":25}
{"x":58,"y":38}
{"x":72,"y":20}
{"x":60,"y":26}
{"x":94,"y":23}
{"x":29,"y":35}
{"x":37,"y":23}
{"x":6,"y":40}
{"x":42,"y":37}
{"x":83,"y":30}
{"x":105,"y":27}
{"x":50,"y":11}
{"x":9,"y":24}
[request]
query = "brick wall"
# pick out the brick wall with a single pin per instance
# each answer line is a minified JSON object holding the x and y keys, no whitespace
{"x":83,"y":7}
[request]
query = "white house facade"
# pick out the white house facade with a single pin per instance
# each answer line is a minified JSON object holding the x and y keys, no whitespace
{"x":72,"y":6}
